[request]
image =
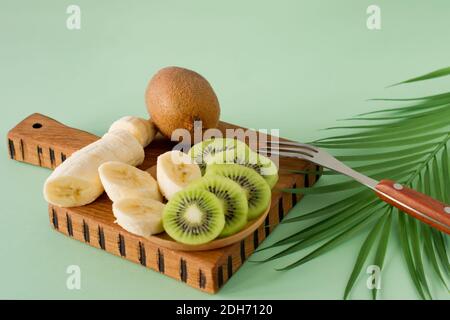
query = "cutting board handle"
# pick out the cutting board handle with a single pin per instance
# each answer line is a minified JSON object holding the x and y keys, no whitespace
{"x":45,"y":142}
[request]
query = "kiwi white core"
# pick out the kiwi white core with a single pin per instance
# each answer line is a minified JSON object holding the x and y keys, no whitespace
{"x":193,"y":214}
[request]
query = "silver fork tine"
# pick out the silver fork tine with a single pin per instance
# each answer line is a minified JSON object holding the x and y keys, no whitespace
{"x":323,"y":159}
{"x":307,"y":152}
{"x":296,"y":155}
{"x":294,"y":144}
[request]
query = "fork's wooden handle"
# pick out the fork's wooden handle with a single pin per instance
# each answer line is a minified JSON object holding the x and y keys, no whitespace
{"x":416,"y":204}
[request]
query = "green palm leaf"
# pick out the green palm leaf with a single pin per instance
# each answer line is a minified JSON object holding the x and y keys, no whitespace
{"x":334,"y":208}
{"x":315,"y":232}
{"x":438,"y":241}
{"x":445,"y":174}
{"x":404,"y":240}
{"x":435,"y":74}
{"x":393,"y":173}
{"x":438,"y":192}
{"x":380,"y":254}
{"x":399,"y":125}
{"x":364,"y":253}
{"x":431,"y":254}
{"x":431,"y":97}
{"x":387,"y":155}
{"x":388,"y":143}
{"x":393,"y":132}
{"x":373,"y":167}
{"x":406,"y":143}
{"x":334,"y":242}
{"x":430,"y":103}
{"x":415,"y":248}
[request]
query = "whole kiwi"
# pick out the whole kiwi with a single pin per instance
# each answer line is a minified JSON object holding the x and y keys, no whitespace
{"x":176,"y":97}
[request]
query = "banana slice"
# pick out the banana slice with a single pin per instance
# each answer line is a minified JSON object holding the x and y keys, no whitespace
{"x":141,"y":216}
{"x":121,"y":181}
{"x":174,"y":171}
{"x":76,"y":181}
{"x":124,"y":146}
{"x":143,"y":130}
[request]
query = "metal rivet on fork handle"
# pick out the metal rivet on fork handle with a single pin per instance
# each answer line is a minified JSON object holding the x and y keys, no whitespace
{"x":398,"y":186}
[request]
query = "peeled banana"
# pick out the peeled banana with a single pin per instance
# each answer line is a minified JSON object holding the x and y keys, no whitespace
{"x":76,"y":181}
{"x":143,"y":130}
{"x":141,"y":216}
{"x":174,"y":171}
{"x":122,"y":181}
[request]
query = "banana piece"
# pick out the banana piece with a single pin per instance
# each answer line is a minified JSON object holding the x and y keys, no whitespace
{"x":76,"y":181}
{"x":174,"y":171}
{"x":122,"y":181}
{"x":143,"y":130}
{"x":141,"y":216}
{"x":125,"y":147}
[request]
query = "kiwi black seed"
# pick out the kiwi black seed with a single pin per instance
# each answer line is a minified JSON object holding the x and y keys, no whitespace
{"x":194,"y":216}
{"x":256,"y":188}
{"x":233,"y":200}
{"x":204,"y":150}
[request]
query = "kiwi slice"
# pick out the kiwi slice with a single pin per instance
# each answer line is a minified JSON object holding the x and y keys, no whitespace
{"x":202,"y":151}
{"x":194,"y":216}
{"x":255,"y":187}
{"x":248,"y":158}
{"x":233,"y":200}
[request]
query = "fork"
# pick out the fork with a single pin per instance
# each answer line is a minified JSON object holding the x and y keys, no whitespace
{"x":412,"y":202}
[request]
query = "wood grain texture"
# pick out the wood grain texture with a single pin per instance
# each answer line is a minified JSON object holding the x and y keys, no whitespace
{"x":416,"y":204}
{"x":50,"y":143}
{"x":45,"y":142}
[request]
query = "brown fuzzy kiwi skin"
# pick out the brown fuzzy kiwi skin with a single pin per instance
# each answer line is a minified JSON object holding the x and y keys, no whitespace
{"x":176,"y":97}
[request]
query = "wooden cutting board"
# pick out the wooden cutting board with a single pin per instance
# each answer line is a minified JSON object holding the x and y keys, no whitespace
{"x":44,"y":142}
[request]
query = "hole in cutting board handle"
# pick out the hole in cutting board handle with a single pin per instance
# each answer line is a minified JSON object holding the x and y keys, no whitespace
{"x":37,"y":125}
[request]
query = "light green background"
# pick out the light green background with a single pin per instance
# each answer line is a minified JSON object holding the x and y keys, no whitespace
{"x":293,"y":65}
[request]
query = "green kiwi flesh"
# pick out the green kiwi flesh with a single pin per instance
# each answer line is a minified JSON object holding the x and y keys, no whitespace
{"x":261,"y":164}
{"x":202,"y":151}
{"x":234,"y":201}
{"x":194,"y":216}
{"x":256,"y":188}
